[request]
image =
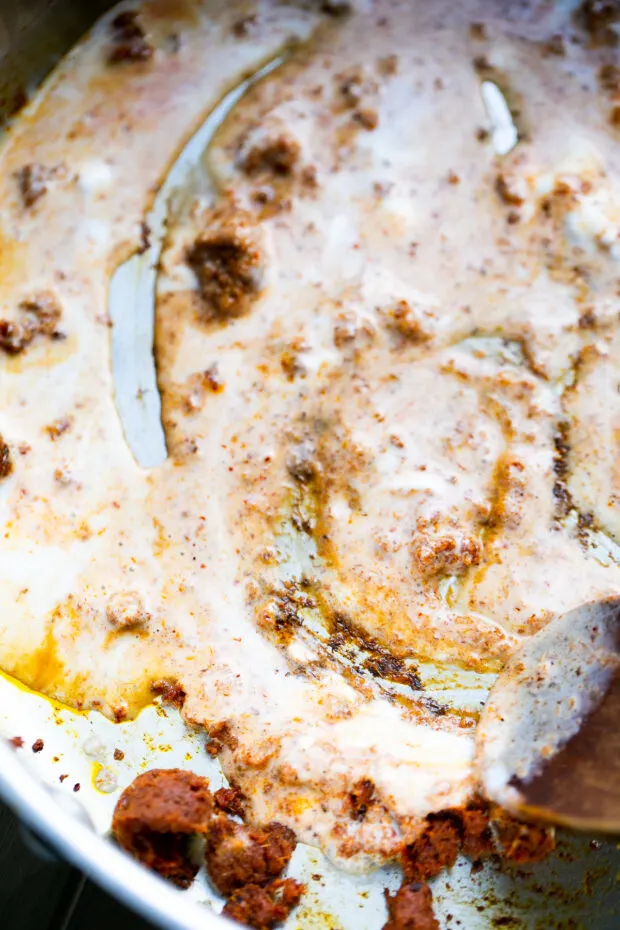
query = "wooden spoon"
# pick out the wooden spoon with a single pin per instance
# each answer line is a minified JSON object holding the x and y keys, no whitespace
{"x":548,"y":742}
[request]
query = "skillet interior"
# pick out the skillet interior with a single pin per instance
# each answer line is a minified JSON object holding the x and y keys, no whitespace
{"x":66,"y":733}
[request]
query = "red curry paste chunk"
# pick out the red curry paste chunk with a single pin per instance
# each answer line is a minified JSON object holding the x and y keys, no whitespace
{"x":155,"y":817}
{"x":237,"y":855}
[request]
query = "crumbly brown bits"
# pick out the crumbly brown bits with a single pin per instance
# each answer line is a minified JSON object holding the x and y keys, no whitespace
{"x":145,"y":237}
{"x":411,"y":908}
{"x":220,"y":735}
{"x":521,"y":842}
{"x":478,"y":31}
{"x":58,"y":428}
{"x":361,"y":797}
{"x":227,"y":261}
{"x":599,"y":17}
{"x":350,"y":89}
{"x":387,"y":66}
{"x":39,"y":315}
{"x":508,"y":191}
{"x":129,"y":39}
{"x":170,"y":691}
{"x":587,"y":319}
{"x":477,"y":831}
{"x":38,"y":745}
{"x":609,"y":78}
{"x":367,"y":118}
{"x":242,"y":28}
{"x":32,"y":181}
{"x":199,"y":385}
{"x":303,"y":464}
{"x":277,"y":156}
{"x":45,"y":310}
{"x":413,"y":324}
{"x":6,"y":461}
{"x":336,"y":7}
{"x":16,"y":337}
{"x":155,"y":817}
{"x":125,"y":609}
{"x":119,"y":755}
{"x":16,"y":742}
{"x":435,"y":849}
{"x":230,"y":800}
{"x":237,"y":855}
{"x":482,"y":64}
{"x":291,"y":359}
{"x":476,"y":828}
{"x":309,"y":176}
{"x":264,"y":907}
{"x":448,"y":550}
{"x":352,"y":331}
{"x":554,"y":46}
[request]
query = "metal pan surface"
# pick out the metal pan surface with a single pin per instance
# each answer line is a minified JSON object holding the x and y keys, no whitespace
{"x":578,"y":887}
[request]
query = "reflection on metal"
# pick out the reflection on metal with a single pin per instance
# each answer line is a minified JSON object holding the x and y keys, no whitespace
{"x":503,"y":130}
{"x":132,"y":297}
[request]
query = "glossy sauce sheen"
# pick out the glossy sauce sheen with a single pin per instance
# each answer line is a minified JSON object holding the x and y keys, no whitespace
{"x":404,"y":420}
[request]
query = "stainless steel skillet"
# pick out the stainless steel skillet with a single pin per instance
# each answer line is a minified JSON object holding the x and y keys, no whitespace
{"x":576,"y":889}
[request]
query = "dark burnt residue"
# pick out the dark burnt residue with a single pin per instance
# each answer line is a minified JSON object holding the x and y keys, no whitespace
{"x":520,"y":842}
{"x":336,"y":7}
{"x":45,"y":311}
{"x":228,"y":265}
{"x":477,"y":831}
{"x":609,"y":78}
{"x":6,"y":461}
{"x":264,"y":906}
{"x":278,"y":156}
{"x":599,"y":19}
{"x":361,"y":797}
{"x":32,"y":181}
{"x":303,"y":464}
{"x":280,"y":615}
{"x":411,"y":908}
{"x":563,"y":503}
{"x":368,"y":654}
{"x":243,"y":27}
{"x":585,"y":525}
{"x":433,"y":706}
{"x":145,"y":238}
{"x":15,"y":337}
{"x":306,"y":469}
{"x":39,"y":315}
{"x":129,"y":42}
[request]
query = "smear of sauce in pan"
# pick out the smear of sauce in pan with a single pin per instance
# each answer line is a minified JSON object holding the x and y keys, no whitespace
{"x":388,"y":367}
